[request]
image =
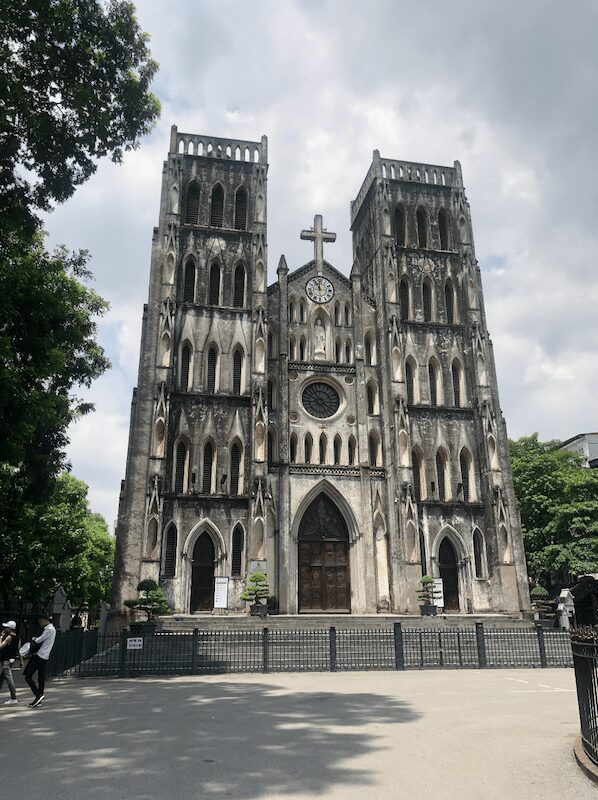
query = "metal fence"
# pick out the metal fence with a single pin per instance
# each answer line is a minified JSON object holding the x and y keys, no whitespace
{"x":585,"y":660}
{"x":85,"y":654}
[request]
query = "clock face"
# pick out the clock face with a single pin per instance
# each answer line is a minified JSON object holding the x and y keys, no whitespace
{"x":319,"y":289}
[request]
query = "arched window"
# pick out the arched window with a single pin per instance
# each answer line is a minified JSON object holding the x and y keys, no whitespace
{"x":270,"y":445}
{"x":185,"y":362}
{"x":207,"y":478}
{"x":338,"y":351}
{"x":443,"y":229}
{"x":405,"y":298}
{"x":410,"y":381}
{"x":418,"y":476}
{"x":302,"y":349}
{"x":307,"y":448}
{"x":441,"y":475}
{"x":323,"y":448}
{"x":504,"y":549}
{"x":217,"y":207}
{"x":238,"y":358}
{"x":170,"y":551}
{"x":192,"y":209}
{"x":337,"y":314}
{"x":492,"y":455}
{"x":347,"y":314}
{"x":165,"y":350}
{"x":400,"y":226}
{"x":449,"y":301}
{"x":293,"y":449}
{"x":456,"y":376}
{"x":237,"y":551}
{"x":189,"y":284}
{"x":271,"y":394}
{"x":435,"y":383}
{"x":427,"y":300}
{"x":239,"y":287}
{"x":214,"y":288}
{"x":370,"y":350}
{"x":292,"y":311}
{"x":337,"y":449}
{"x":180,"y":468}
{"x":241,"y":209}
{"x":478,"y":553}
{"x":348,"y":352}
{"x":235,"y":466}
{"x":159,"y":437}
{"x":421,"y":219}
{"x":301,"y":311}
{"x":465,"y":467}
{"x":212,"y":370}
{"x":351,"y":447}
{"x":374,"y":449}
{"x":372,"y":397}
{"x":292,"y":349}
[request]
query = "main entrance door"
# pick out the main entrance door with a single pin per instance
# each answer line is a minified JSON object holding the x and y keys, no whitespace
{"x":324,"y":578}
{"x":449,"y":572}
{"x":202,"y":574}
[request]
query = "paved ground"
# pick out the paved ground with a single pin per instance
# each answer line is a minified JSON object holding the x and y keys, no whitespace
{"x":459,"y":735}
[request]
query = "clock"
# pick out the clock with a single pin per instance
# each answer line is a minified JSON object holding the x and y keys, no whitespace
{"x":319,"y":289}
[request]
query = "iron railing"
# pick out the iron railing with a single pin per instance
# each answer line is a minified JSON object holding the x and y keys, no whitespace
{"x":220,"y":651}
{"x":584,"y":644}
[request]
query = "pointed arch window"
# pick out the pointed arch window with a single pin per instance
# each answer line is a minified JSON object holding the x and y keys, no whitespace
{"x":323,"y":448}
{"x":307,"y":448}
{"x":189,"y":282}
{"x":400,"y":226}
{"x":207,"y":479}
{"x":374,"y":449}
{"x":212,"y":370}
{"x":348,"y":352}
{"x":241,"y":208}
{"x":239,"y":287}
{"x":478,"y":553}
{"x":292,"y":348}
{"x":185,"y":364}
{"x":337,"y":449}
{"x":465,"y":467}
{"x":449,"y":301}
{"x":180,"y":468}
{"x":337,"y":314}
{"x":443,"y":229}
{"x":214,"y":286}
{"x":457,"y":375}
{"x":410,"y":381}
{"x":217,"y":207}
{"x":347,"y":314}
{"x":421,"y":219}
{"x":417,"y":465}
{"x":271,"y":448}
{"x":351,"y":448}
{"x":301,"y":311}
{"x":192,"y":209}
{"x":427,"y":300}
{"x":237,"y":551}
{"x":238,"y":359}
{"x":372,"y":397}
{"x":235,"y":466}
{"x":170,"y":551}
{"x":338,"y":351}
{"x":302,"y":349}
{"x":441,"y":476}
{"x":293,"y":449}
{"x":434,"y":377}
{"x":271,"y":394}
{"x":405,"y":298}
{"x":370,"y":350}
{"x":292,"y":311}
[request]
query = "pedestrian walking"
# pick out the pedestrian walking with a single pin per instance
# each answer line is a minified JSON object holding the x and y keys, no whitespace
{"x":9,"y":643}
{"x":37,"y":663}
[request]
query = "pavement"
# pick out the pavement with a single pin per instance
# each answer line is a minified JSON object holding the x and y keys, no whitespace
{"x":455,"y":734}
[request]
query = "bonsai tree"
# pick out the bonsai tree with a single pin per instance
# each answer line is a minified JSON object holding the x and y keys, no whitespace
{"x":539,"y":593}
{"x":426,"y":591}
{"x":256,"y":589}
{"x":151,"y":600}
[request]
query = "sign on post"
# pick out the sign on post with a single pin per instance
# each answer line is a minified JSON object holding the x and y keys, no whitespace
{"x":135,"y":643}
{"x":220,"y":592}
{"x":438,"y":595}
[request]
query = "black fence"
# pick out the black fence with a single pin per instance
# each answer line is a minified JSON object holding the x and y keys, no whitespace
{"x":86,"y":654}
{"x":584,"y":645}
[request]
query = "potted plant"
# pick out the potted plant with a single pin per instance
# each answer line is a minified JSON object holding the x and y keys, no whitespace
{"x":256,"y":590}
{"x":426,"y":597}
{"x":151,"y":600}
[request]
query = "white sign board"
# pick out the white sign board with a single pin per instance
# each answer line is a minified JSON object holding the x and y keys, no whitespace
{"x":438,"y":593}
{"x":220,"y":592}
{"x":135,"y":643}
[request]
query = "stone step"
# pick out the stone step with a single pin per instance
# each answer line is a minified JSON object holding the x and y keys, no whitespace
{"x":233,"y":622}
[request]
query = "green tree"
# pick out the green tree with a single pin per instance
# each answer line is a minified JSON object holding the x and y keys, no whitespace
{"x":74,"y":86}
{"x":558,"y":500}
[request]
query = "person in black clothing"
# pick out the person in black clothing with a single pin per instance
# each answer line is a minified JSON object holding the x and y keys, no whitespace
{"x":8,"y":652}
{"x":39,"y":659}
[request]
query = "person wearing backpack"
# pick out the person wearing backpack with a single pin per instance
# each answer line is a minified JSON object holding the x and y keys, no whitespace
{"x":9,"y":643}
{"x":42,"y":647}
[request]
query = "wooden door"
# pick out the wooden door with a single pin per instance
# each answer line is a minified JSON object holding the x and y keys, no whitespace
{"x":449,"y":572}
{"x":324,"y":582}
{"x":202,"y":575}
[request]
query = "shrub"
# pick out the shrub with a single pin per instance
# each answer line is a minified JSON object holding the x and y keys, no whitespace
{"x":539,"y":593}
{"x":256,"y":588}
{"x":151,"y":600}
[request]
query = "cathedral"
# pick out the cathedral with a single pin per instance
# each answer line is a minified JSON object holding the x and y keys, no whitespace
{"x":340,"y":432}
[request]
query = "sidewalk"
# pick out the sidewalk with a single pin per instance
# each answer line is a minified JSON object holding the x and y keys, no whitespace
{"x":459,"y":735}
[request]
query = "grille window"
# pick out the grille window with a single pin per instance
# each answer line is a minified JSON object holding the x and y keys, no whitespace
{"x":214,"y":291}
{"x":241,"y":209}
{"x":217,"y":206}
{"x":237,"y":551}
{"x":235,"y":461}
{"x":212,"y":364}
{"x":239,"y":287}
{"x":180,"y":462}
{"x":170,"y":552}
{"x":189,"y":287}
{"x":237,"y":370}
{"x":208,"y":462}
{"x":192,"y":210}
{"x":185,"y":361}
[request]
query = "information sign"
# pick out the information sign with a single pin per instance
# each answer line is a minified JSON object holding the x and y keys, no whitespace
{"x":135,"y":643}
{"x":220,"y":592}
{"x":438,"y":593}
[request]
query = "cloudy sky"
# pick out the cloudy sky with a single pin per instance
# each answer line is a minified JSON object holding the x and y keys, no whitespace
{"x":510,"y":89}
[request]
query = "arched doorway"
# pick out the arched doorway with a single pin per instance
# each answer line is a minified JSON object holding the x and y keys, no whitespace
{"x":324,"y":577}
{"x":449,"y":572}
{"x":202,"y":574}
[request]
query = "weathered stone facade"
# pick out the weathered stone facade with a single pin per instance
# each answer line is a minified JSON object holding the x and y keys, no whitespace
{"x":346,"y":431}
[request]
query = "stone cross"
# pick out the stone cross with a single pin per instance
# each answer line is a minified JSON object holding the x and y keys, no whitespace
{"x":318,"y":236}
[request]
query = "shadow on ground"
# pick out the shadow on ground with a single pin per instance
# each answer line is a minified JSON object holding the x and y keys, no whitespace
{"x":186,"y":738}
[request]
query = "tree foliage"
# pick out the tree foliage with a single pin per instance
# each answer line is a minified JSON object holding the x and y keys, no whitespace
{"x":558,"y":499}
{"x":151,"y":600}
{"x":74,"y":86}
{"x":256,"y":589}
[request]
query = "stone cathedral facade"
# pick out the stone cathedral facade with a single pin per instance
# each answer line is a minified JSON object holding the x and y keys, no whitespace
{"x":343,"y":433}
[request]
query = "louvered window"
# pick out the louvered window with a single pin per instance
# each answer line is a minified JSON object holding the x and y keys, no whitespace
{"x":371,"y":398}
{"x":433,"y":387}
{"x":241,"y":209}
{"x":337,"y":449}
{"x":212,"y":365}
{"x":214,"y":290}
{"x":404,"y":299}
{"x":443,"y":229}
{"x":308,"y":447}
{"x":427,"y":301}
{"x":237,"y":551}
{"x":239,"y":287}
{"x":409,"y":381}
{"x":464,"y":464}
{"x":208,"y":466}
{"x":440,"y":476}
{"x":323,"y":448}
{"x":192,"y":210}
{"x":179,"y":470}
{"x":237,"y":370}
{"x":456,"y":383}
{"x":449,"y":299}
{"x":185,"y":362}
{"x":217,"y":206}
{"x":416,"y":462}
{"x":189,"y":288}
{"x":235,"y":461}
{"x":170,"y":552}
{"x":351,"y":449}
{"x":400,"y":226}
